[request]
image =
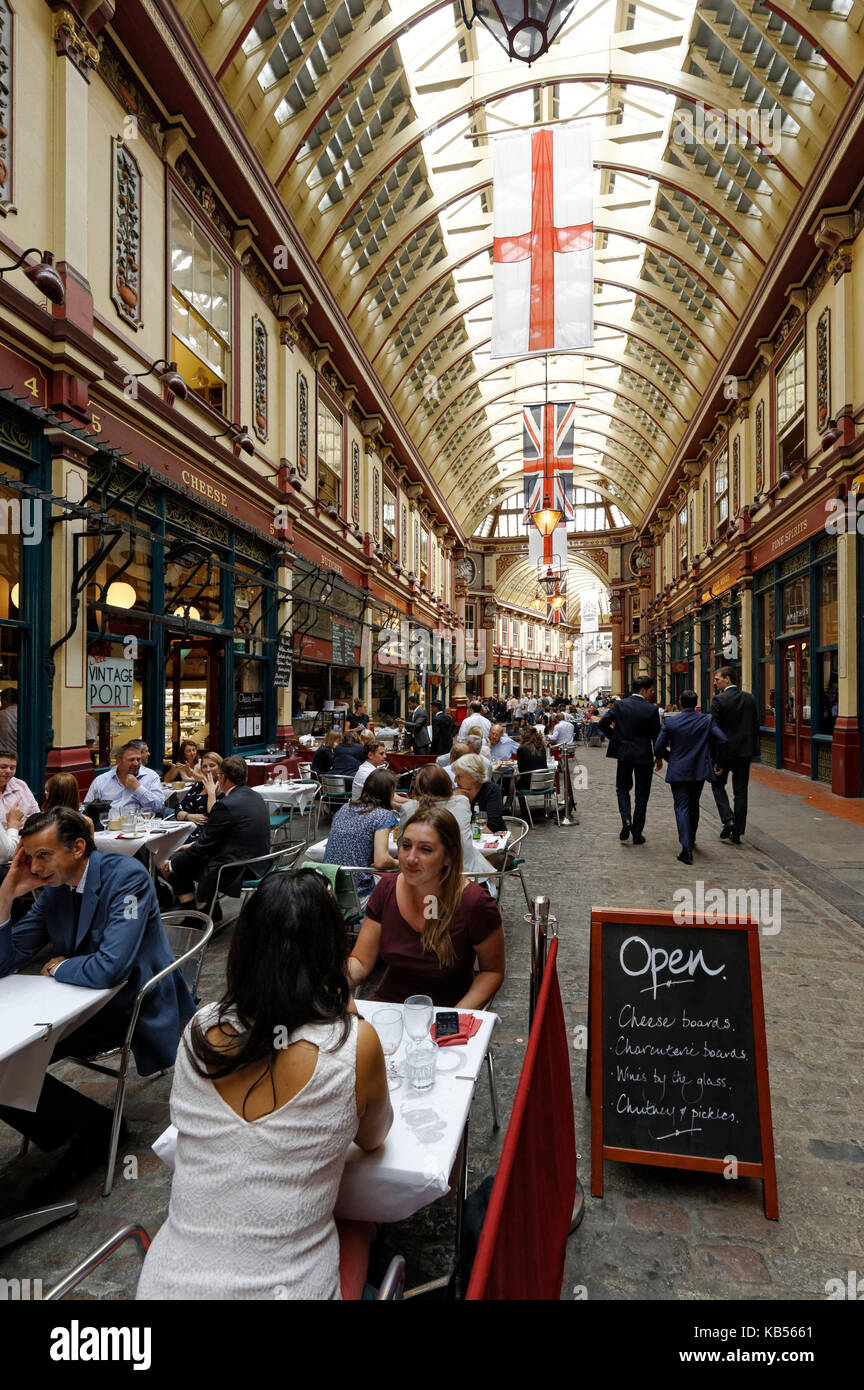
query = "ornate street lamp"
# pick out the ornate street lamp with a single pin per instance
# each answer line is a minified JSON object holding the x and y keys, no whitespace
{"x":525,"y":29}
{"x":546,"y":518}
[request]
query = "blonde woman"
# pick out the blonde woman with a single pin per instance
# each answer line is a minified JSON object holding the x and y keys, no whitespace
{"x":201,"y":797}
{"x":428,"y":924}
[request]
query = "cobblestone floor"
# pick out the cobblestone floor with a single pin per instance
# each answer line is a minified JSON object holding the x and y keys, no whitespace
{"x":656,"y":1234}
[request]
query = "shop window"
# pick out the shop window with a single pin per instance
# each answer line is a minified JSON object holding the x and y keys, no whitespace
{"x":796,"y":603}
{"x":505,"y":632}
{"x":789,"y":388}
{"x":829,"y":684}
{"x":200,"y":309}
{"x":721,"y":490}
{"x":827,"y":589}
{"x":329,"y":457}
{"x":766,"y":626}
{"x":249,"y":725}
{"x":193,"y":585}
{"x":424,"y":555}
{"x":389,"y":522}
{"x":125,"y":571}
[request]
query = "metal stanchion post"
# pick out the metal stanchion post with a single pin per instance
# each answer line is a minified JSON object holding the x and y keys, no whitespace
{"x":543,"y":925}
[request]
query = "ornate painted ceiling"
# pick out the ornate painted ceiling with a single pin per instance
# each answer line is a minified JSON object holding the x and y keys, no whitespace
{"x":374,"y":122}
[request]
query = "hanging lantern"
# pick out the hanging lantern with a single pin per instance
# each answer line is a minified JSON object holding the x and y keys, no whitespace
{"x":537,"y":602}
{"x":525,"y":29}
{"x":546,"y":519}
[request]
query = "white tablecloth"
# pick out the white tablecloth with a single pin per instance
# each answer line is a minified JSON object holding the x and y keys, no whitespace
{"x":160,"y":844}
{"x":299,"y":794}
{"x":315,"y":853}
{"x":413,"y":1166}
{"x":36,"y":1012}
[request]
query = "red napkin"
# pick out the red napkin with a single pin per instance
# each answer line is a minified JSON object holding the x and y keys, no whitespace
{"x":468,"y":1026}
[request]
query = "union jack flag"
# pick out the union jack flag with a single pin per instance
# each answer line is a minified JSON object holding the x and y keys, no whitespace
{"x":548,"y":437}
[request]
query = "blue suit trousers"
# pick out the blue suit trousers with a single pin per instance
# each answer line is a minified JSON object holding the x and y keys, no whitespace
{"x":686,"y":796}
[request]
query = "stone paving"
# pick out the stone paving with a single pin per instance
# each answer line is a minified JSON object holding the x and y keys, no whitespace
{"x":657,"y":1233}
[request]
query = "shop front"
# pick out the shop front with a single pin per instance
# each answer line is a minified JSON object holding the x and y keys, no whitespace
{"x":327,"y":622}
{"x":681,"y":659}
{"x":795,"y":635}
{"x":186,"y":604}
{"x":720,"y":638}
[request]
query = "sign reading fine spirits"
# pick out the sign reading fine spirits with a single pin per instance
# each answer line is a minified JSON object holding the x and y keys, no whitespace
{"x":110,"y":683}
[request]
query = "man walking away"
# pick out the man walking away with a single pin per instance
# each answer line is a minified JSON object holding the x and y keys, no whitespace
{"x":692,"y":743}
{"x":735,"y":712}
{"x":631,"y":726}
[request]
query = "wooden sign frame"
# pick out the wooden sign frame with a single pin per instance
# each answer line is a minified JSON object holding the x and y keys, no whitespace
{"x":601,"y":1152}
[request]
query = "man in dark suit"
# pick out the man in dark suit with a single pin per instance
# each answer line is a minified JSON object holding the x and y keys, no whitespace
{"x":100,"y":915}
{"x":417,"y":725}
{"x":692,"y":743}
{"x":736,"y":713}
{"x":443,"y":729}
{"x":238,"y":829}
{"x":631,"y":726}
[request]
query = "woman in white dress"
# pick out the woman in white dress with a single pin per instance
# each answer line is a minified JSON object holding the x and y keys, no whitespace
{"x":271,"y":1087}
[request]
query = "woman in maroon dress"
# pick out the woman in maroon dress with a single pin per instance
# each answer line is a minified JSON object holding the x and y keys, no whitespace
{"x":428,"y":924}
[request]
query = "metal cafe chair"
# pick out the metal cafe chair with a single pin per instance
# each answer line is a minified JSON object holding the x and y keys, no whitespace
{"x":191,"y":940}
{"x":70,"y":1281}
{"x":542,"y":783}
{"x":335,"y":791}
{"x":288,"y":856}
{"x":513,"y":861}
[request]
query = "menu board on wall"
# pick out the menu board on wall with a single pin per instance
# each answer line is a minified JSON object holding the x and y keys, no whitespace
{"x":344,"y":642}
{"x":284,"y":660}
{"x":249,"y":716}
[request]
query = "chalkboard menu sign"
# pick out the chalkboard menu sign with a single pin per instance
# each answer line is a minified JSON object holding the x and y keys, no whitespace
{"x":343,"y":643}
{"x":284,"y":660}
{"x":678,"y":1061}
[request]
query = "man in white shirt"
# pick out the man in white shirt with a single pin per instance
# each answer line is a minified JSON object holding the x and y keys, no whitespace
{"x":501,"y":746}
{"x":127,"y":787}
{"x":531,"y":705}
{"x":562,"y":733}
{"x":475,"y":719}
{"x":14,"y":792}
{"x":376,"y":756}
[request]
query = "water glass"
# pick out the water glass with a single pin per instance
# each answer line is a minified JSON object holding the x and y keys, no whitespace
{"x":127,"y":822}
{"x":421,"y":1059}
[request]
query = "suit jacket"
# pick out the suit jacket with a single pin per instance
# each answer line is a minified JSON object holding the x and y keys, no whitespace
{"x":443,"y":731}
{"x":238,"y":828}
{"x":735,"y":712}
{"x":692,"y":743}
{"x":119,"y":937}
{"x":631,"y":725}
{"x":416,"y":723}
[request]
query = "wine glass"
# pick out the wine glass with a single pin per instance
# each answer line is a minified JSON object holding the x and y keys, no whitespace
{"x":388,"y":1025}
{"x":146,"y":817}
{"x":418,"y":1016}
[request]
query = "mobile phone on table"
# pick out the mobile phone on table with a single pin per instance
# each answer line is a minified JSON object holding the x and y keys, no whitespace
{"x":446,"y":1024}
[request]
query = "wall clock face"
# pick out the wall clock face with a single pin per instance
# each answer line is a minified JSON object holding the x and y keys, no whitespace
{"x":466,"y":570}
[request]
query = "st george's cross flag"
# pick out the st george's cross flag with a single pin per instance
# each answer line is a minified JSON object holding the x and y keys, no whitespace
{"x":543,"y":248}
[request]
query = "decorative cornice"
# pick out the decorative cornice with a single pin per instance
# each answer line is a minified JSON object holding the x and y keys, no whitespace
{"x":72,"y":40}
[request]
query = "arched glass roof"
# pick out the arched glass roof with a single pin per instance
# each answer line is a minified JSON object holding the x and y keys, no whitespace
{"x":374,"y":122}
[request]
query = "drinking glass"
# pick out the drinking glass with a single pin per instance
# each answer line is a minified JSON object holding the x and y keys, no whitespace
{"x":388,"y":1025}
{"x":145,"y":817}
{"x":418,"y":1016}
{"x":127,"y":822}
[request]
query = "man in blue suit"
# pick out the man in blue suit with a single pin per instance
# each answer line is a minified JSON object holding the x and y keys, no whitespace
{"x":692,"y":743}
{"x":100,"y":914}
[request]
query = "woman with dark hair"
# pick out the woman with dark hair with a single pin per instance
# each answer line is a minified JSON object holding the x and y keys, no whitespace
{"x":186,"y":767}
{"x":271,"y":1086}
{"x":360,"y":831}
{"x":62,"y":790}
{"x":530,"y":757}
{"x":431,"y":952}
{"x":348,"y":754}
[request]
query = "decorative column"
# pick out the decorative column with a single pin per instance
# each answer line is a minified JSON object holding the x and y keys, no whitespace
{"x":489,"y":620}
{"x":745,"y":641}
{"x":66,"y":739}
{"x":846,"y":744}
{"x":617,"y":619}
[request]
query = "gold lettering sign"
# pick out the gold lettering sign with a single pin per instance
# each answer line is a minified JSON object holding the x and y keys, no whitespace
{"x":203,"y":488}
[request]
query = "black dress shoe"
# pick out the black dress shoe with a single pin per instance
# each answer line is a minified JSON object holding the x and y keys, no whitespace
{"x":735,"y":838}
{"x":638,"y":839}
{"x":728,"y":827}
{"x":624,"y":833}
{"x":686,"y":856}
{"x":87,"y":1152}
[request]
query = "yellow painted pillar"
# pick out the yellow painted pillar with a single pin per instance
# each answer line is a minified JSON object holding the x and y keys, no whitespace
{"x":68,"y":751}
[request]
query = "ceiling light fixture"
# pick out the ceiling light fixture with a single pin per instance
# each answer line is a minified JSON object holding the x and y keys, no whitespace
{"x":525,"y":29}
